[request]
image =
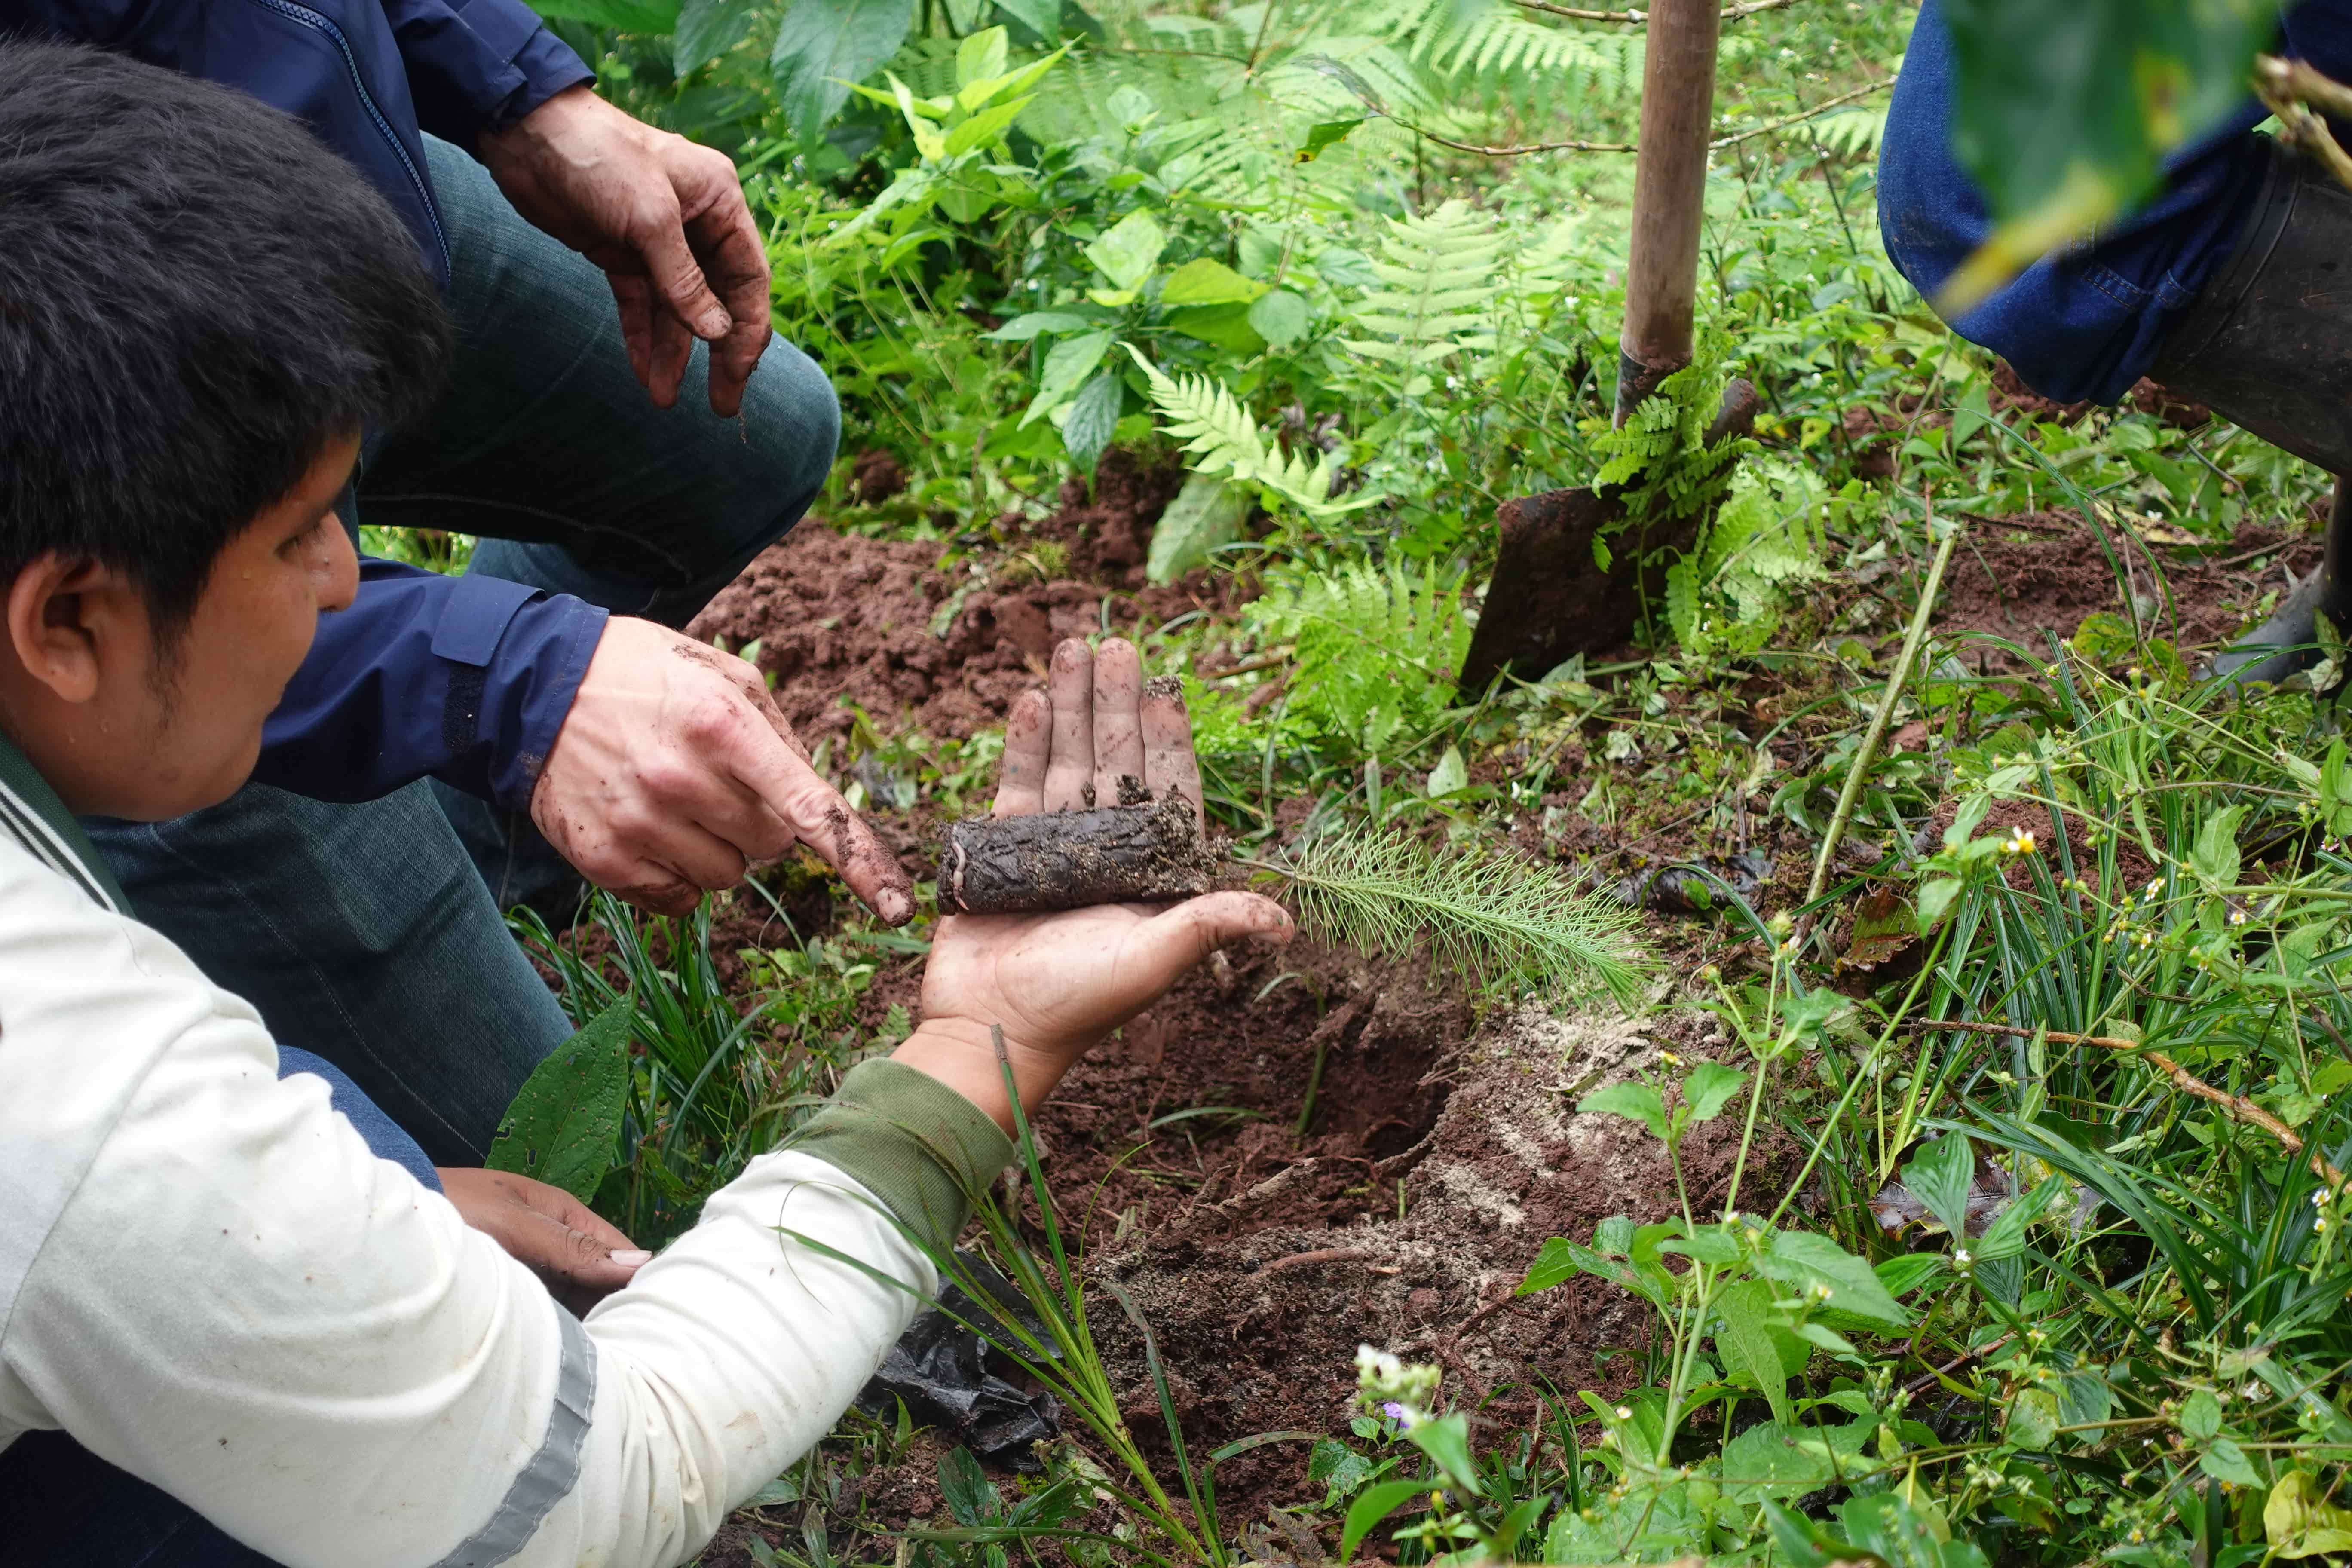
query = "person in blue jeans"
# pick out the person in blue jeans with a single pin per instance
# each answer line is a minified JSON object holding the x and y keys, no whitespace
{"x":2232,"y":285}
{"x":623,"y":432}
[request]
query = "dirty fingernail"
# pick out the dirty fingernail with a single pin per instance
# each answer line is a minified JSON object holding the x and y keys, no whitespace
{"x":631,"y":1259}
{"x":715,"y":324}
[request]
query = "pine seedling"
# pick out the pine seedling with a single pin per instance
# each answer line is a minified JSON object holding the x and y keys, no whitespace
{"x":1504,"y":926}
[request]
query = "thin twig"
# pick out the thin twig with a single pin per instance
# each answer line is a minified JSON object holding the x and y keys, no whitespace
{"x":1521,"y":150}
{"x":2288,"y":89}
{"x":1325,"y":1255}
{"x":1896,"y":678}
{"x":1740,"y":13}
{"x":1953,"y":1365}
{"x":2238,"y":1106}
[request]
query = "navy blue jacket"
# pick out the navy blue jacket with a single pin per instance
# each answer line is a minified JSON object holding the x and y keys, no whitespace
{"x":467,"y":680}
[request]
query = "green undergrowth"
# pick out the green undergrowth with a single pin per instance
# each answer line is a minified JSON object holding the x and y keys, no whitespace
{"x":2053,"y":1287}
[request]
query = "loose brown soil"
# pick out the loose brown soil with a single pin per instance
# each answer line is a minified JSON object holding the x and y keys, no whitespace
{"x":1442,"y":1147}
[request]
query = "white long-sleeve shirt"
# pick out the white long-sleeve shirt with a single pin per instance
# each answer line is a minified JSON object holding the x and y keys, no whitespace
{"x":207,"y":1279}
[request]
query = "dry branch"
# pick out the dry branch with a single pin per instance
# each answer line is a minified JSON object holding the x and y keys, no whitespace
{"x":2238,"y":1106}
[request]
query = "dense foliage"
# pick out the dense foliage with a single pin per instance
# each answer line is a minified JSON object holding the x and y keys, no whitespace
{"x":2109,"y":1318}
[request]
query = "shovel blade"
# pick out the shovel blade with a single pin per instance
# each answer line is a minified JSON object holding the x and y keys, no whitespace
{"x":1547,"y":600}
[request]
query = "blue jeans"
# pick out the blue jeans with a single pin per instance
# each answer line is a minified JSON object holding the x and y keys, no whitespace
{"x":2086,"y":322}
{"x":373,"y":932}
{"x":124,"y":1522}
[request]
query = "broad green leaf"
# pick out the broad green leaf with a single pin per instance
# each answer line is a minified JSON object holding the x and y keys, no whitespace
{"x":1207,"y":512}
{"x":985,"y":127}
{"x":2215,"y":858}
{"x":707,"y":29}
{"x":971,"y":1496}
{"x":1939,"y":1175}
{"x":1201,"y":282}
{"x":623,"y":16}
{"x":1771,"y":1460}
{"x":1280,"y":318}
{"x":2005,"y":1237}
{"x":1935,"y":896}
{"x":1127,"y":252}
{"x":1906,"y":1271}
{"x":1446,"y":1441}
{"x":564,"y":1126}
{"x":1708,"y":1244}
{"x":824,"y":46}
{"x":980,"y":58}
{"x":2225,"y":1461}
{"x":2032,"y":1418}
{"x":2200,"y":1417}
{"x":1070,"y":363}
{"x":2061,"y":112}
{"x":1023,"y":327}
{"x":1373,"y":1504}
{"x":1451,"y":775}
{"x":2299,"y":1521}
{"x":1227,"y":326}
{"x":1754,"y":1350}
{"x":1093,"y":415}
{"x":1319,"y":137}
{"x":1555,"y":1262}
{"x":1709,"y":1089}
{"x":1839,"y":1280}
{"x":1634,"y":1101}
{"x":1043,"y":17}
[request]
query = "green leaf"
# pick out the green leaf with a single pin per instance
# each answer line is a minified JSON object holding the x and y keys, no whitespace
{"x":1446,"y":1441}
{"x":564,"y":1126}
{"x":971,"y":1496}
{"x":2032,"y":1418}
{"x":2225,"y":1461}
{"x":1906,"y":1271}
{"x":1227,"y":326}
{"x":1939,"y":1175}
{"x":2200,"y":1417}
{"x":1094,"y":414}
{"x":1207,"y":512}
{"x":1373,"y":1504}
{"x":1634,"y":1101}
{"x":1070,"y":363}
{"x":1201,"y":282}
{"x":1709,"y":1089}
{"x":980,"y":58}
{"x":1281,"y":318}
{"x":1043,"y":17}
{"x":985,"y":127}
{"x":1450,"y":775}
{"x":1771,"y":1460}
{"x":622,"y":16}
{"x":1753,"y":1349}
{"x":2061,"y":112}
{"x":825,"y":45}
{"x":707,"y":29}
{"x":1846,"y":1283}
{"x":1127,"y":252}
{"x":2215,"y":858}
{"x":1554,"y":1264}
{"x":1935,"y":896}
{"x":2005,"y":1237}
{"x":1326,"y":134}
{"x":1033,"y":323}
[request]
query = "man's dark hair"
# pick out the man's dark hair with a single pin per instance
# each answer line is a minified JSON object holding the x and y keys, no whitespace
{"x":196,"y":295}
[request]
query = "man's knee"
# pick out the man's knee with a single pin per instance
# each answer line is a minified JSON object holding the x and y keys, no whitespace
{"x":790,"y":432}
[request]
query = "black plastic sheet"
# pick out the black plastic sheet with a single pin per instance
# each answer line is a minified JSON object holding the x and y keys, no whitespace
{"x":953,"y":1380}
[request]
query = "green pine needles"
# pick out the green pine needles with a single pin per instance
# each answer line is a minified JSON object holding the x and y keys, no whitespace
{"x":1505,"y":927}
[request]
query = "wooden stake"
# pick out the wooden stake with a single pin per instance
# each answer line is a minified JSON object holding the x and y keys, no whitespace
{"x":1669,"y":196}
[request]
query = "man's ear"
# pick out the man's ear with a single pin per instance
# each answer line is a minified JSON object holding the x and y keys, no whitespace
{"x":59,"y":612}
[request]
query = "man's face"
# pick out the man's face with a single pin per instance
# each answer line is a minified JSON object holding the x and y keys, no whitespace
{"x":123,"y":723}
{"x":218,"y":681}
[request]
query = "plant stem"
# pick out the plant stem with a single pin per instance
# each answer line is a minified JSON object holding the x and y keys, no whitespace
{"x":1896,"y":678}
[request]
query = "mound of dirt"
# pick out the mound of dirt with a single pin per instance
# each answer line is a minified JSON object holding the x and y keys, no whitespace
{"x":2045,"y":571}
{"x":887,"y":625}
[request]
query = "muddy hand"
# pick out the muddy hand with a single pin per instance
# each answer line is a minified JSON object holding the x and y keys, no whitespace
{"x":1058,"y":983}
{"x":580,"y":1257}
{"x":675,"y":771}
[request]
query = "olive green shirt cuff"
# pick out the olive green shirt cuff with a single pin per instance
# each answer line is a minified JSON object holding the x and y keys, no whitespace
{"x":912,"y":1141}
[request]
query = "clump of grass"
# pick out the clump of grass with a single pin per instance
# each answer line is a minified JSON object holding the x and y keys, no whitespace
{"x":1503,"y":925}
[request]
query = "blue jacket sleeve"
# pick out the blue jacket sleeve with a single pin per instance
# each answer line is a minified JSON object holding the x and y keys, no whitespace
{"x":465,"y":680}
{"x":478,"y":65}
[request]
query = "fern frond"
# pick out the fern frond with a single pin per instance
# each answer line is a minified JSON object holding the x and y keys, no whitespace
{"x":1375,"y":648}
{"x":1504,"y":925}
{"x":1438,"y":289}
{"x":1203,"y":414}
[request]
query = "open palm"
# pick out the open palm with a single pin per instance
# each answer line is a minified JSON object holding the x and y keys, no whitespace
{"x":1057,"y":984}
